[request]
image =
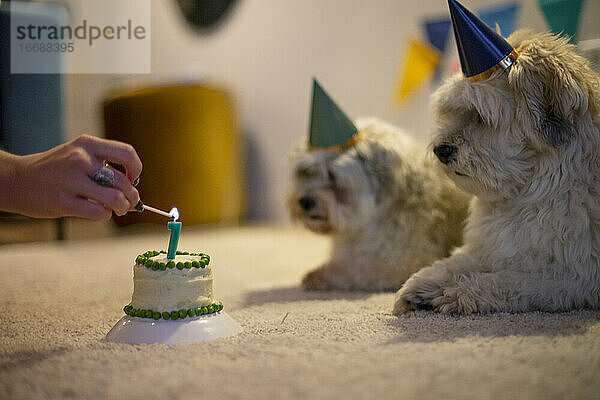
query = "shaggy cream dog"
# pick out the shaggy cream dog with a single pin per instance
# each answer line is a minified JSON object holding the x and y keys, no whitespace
{"x":387,"y":207}
{"x":526,"y":143}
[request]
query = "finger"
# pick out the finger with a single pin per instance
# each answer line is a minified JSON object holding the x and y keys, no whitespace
{"x":114,"y":151}
{"x":84,"y":208}
{"x":110,"y":197}
{"x":120,"y":182}
{"x":131,"y":194}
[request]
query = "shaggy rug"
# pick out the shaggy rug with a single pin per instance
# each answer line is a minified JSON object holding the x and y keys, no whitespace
{"x":58,"y":301}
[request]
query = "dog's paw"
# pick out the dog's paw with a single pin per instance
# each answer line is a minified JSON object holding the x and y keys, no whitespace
{"x":431,"y":288}
{"x":316,"y":280}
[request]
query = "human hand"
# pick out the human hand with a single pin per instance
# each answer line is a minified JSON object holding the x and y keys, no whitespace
{"x":57,"y":182}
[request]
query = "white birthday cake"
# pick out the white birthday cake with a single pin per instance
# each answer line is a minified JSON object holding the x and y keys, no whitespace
{"x":172,"y":289}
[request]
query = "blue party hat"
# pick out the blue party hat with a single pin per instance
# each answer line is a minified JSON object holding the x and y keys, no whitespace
{"x":481,"y":50}
{"x":330,"y":128}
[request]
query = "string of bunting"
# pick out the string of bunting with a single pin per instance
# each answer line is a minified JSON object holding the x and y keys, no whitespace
{"x":424,"y":58}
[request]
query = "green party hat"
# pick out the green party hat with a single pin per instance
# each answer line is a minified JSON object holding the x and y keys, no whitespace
{"x":329,"y":126}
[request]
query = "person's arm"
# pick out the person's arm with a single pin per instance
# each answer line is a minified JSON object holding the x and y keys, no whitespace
{"x":8,"y":164}
{"x":57,"y":183}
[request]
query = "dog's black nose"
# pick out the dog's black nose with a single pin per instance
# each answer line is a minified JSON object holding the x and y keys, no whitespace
{"x":444,"y":152}
{"x":307,"y":203}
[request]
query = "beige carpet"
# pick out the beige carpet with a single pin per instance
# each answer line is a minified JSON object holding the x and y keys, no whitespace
{"x":57,"y":302}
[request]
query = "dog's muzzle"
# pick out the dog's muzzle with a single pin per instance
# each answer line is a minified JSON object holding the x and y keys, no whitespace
{"x":445,"y":152}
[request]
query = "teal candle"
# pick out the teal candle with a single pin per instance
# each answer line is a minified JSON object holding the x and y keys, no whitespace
{"x":175,"y":228}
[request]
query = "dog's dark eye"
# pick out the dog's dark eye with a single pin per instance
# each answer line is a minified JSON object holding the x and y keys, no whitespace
{"x":479,"y":119}
{"x":331,"y":176}
{"x":473,"y":116}
{"x":305,"y":172}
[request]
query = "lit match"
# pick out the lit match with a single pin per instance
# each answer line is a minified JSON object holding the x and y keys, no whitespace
{"x":174,"y":213}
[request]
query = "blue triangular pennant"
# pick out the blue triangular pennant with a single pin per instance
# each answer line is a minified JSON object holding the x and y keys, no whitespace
{"x":505,"y":16}
{"x":437,"y":32}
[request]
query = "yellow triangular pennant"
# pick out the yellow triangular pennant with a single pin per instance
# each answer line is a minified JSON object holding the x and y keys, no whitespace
{"x":421,"y":61}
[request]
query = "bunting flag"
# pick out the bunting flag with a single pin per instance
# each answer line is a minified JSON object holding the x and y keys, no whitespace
{"x":563,"y":16}
{"x":505,"y":16}
{"x":437,"y":32}
{"x":421,"y":61}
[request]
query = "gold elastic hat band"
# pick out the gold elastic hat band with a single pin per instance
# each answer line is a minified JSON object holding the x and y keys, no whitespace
{"x":341,"y":147}
{"x":504,"y":64}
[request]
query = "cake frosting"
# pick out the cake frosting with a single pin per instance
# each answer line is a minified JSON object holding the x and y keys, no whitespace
{"x":172,"y":289}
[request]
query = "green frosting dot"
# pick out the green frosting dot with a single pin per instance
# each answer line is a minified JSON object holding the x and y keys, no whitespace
{"x":166,"y":315}
{"x":211,"y":309}
{"x":204,"y":310}
{"x":162,"y":266}
{"x":174,"y":315}
{"x":148,"y":313}
{"x":162,"y":252}
{"x":155,"y":266}
{"x":156,"y":315}
{"x":171,"y":264}
{"x":195,"y":264}
{"x":149,"y":263}
{"x":219,"y":307}
{"x":187,"y":264}
{"x":139,"y":313}
{"x":182,"y":313}
{"x":190,"y":312}
{"x":180,"y":265}
{"x":198,"y":311}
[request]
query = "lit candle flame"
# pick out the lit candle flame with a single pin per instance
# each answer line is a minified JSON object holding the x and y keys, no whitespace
{"x":174,"y":213}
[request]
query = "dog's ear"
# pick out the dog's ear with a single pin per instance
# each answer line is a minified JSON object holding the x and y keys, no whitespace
{"x":381,"y":165}
{"x":549,"y":85}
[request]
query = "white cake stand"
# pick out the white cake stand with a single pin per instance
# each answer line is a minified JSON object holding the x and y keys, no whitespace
{"x":135,"y":330}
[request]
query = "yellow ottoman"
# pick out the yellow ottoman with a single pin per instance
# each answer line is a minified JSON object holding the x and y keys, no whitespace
{"x":188,"y":142}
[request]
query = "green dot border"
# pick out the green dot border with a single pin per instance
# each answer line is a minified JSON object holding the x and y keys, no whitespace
{"x":145,"y":260}
{"x":175,"y":314}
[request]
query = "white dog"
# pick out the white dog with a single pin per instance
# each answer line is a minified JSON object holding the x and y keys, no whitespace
{"x":526,"y":143}
{"x":388,"y":208}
